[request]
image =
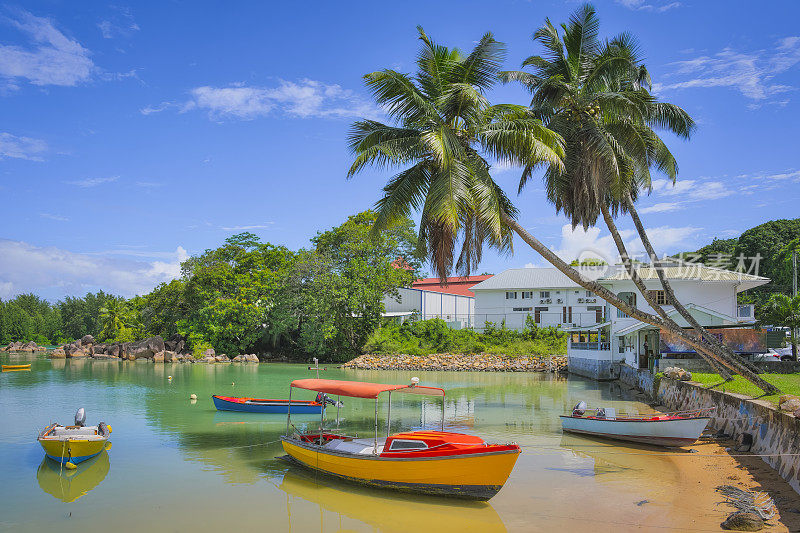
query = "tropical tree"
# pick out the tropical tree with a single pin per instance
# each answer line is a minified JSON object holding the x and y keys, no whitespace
{"x":119,"y":321}
{"x":443,"y":120}
{"x":785,"y":311}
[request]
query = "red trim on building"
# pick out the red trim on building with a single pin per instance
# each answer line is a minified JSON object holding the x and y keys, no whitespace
{"x":455,"y":285}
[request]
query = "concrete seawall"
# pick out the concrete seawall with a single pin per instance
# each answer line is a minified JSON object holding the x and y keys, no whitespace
{"x":773,"y":432}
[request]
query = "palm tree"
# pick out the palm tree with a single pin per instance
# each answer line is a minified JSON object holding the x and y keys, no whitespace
{"x":596,"y":95}
{"x":785,"y":311}
{"x":444,"y":127}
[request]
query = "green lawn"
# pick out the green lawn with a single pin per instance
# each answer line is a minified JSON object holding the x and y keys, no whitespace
{"x":787,"y":383}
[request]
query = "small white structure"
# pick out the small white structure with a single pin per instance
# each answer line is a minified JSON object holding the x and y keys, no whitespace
{"x":457,"y":310}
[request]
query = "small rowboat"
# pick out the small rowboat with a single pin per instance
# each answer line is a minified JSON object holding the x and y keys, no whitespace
{"x":256,"y":405}
{"x":7,"y":368}
{"x":429,"y":462}
{"x":670,"y":429}
{"x":70,"y":445}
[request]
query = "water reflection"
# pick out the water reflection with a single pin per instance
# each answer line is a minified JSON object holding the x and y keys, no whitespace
{"x":331,"y":504}
{"x":69,"y":485}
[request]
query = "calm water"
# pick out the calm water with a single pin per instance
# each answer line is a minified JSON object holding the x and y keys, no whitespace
{"x":180,"y":465}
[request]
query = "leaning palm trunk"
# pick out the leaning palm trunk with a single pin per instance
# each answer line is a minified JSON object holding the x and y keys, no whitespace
{"x":706,"y":353}
{"x":725,"y":351}
{"x":628,"y":309}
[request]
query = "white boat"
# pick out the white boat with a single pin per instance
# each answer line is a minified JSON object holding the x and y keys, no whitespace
{"x":669,"y":429}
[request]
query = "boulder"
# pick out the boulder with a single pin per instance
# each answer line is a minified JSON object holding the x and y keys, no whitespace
{"x":239,"y":359}
{"x":158,"y":357}
{"x":743,"y":521}
{"x":785,"y":398}
{"x":210,"y":352}
{"x":791,"y":405}
{"x":208,"y":359}
{"x":86,"y":340}
{"x":797,"y":413}
{"x":113,"y":350}
{"x":76,"y":354}
{"x":170,"y":357}
{"x":222,"y":358}
{"x":251,"y":358}
{"x":58,"y":353}
{"x":146,"y":348}
{"x":101,"y":356}
{"x":29,"y":347}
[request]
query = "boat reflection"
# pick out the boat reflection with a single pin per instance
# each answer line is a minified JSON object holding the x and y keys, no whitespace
{"x":69,"y":485}
{"x":307,"y":497}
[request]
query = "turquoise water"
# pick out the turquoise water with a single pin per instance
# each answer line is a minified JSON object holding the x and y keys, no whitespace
{"x":180,"y":465}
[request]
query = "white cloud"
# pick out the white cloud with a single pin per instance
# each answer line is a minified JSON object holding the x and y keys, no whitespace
{"x":304,"y":99}
{"x":120,"y":24}
{"x":248,"y":228}
{"x":751,"y":73}
{"x":662,"y":207}
{"x":21,"y":147}
{"x":51,"y":57}
{"x":640,"y":5}
{"x":54,"y":273}
{"x":92,"y":182}
{"x":51,"y":216}
{"x":592,"y":243}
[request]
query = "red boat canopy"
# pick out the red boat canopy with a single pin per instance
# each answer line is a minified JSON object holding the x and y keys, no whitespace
{"x":359,"y":389}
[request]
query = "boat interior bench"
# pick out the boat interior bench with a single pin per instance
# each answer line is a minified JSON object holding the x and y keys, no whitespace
{"x":359,"y":446}
{"x":73,"y":432}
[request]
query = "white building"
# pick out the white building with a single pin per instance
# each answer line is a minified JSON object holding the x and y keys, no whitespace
{"x":547,"y":295}
{"x":455,"y":309}
{"x":600,"y":335}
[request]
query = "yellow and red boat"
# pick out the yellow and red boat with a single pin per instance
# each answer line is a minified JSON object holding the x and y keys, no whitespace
{"x":430,"y":462}
{"x":70,"y":445}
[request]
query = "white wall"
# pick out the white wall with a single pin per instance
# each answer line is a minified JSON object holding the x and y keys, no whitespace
{"x":430,"y":304}
{"x":492,"y":306}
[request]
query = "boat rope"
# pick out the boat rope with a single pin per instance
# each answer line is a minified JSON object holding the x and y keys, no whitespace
{"x":253,"y":445}
{"x":745,"y":500}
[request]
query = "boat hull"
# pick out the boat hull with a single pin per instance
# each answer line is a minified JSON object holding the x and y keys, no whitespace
{"x":74,"y":451}
{"x":266,"y":406}
{"x":7,"y":368}
{"x":662,"y":432}
{"x":474,"y":476}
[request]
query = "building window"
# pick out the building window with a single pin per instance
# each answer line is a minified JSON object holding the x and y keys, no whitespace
{"x":527,"y":295}
{"x":621,"y":341}
{"x":544,"y":294}
{"x":589,"y":294}
{"x":537,"y":314}
{"x":659,"y":297}
{"x":566,"y":315}
{"x":523,"y":308}
{"x":511,"y":295}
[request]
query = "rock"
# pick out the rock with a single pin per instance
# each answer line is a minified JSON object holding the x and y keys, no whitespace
{"x":797,"y":413}
{"x":29,"y":347}
{"x":210,"y":351}
{"x":251,"y":358}
{"x":791,"y":405}
{"x":743,"y":521}
{"x":146,"y":348}
{"x":76,"y":354}
{"x":158,"y":357}
{"x":222,"y":358}
{"x":58,"y":353}
{"x":239,"y":359}
{"x":208,"y":359}
{"x":86,"y":340}
{"x":785,"y":398}
{"x":171,"y":357}
{"x":194,"y":397}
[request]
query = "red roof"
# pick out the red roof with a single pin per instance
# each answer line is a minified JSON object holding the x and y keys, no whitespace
{"x":359,"y":389}
{"x":455,"y":285}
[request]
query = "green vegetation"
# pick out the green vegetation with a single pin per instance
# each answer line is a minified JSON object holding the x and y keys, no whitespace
{"x":785,"y":311}
{"x":787,"y":383}
{"x":246,"y":296}
{"x":423,"y":337}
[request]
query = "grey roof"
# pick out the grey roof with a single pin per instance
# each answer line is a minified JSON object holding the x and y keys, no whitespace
{"x":526,"y":278}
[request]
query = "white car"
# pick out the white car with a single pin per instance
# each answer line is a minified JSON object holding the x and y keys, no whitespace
{"x":771,"y":355}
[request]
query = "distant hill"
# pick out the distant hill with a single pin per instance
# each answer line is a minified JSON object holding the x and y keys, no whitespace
{"x":765,"y":240}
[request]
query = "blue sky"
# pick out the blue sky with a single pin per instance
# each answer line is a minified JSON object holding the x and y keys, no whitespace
{"x":135,"y":134}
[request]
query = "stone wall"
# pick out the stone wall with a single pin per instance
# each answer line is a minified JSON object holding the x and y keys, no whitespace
{"x":699,"y":365}
{"x":772,"y":431}
{"x":592,"y":368}
{"x":640,"y":379}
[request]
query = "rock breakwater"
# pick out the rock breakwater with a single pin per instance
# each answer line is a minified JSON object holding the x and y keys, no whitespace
{"x":461,"y":362}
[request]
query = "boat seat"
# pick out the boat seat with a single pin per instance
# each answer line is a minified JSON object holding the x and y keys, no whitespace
{"x":77,"y":432}
{"x":359,"y":446}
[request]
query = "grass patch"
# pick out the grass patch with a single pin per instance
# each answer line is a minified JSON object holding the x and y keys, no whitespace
{"x":787,"y":383}
{"x":425,"y":337}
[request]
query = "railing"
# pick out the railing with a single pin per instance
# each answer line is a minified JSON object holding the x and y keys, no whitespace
{"x":590,"y":346}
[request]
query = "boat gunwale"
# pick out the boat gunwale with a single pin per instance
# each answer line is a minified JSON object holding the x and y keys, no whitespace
{"x":595,"y":419}
{"x":264,"y":401}
{"x":466,"y":453}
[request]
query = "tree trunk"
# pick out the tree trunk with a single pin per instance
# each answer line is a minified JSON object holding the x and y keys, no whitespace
{"x":623,"y":306}
{"x":701,"y":331}
{"x":706,"y":354}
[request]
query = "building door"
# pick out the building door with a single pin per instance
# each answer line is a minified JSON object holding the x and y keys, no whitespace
{"x":566,"y":313}
{"x":537,"y":314}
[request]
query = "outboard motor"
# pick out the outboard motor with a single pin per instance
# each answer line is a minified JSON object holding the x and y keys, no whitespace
{"x":579,"y":409}
{"x":601,"y":413}
{"x":80,"y":417}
